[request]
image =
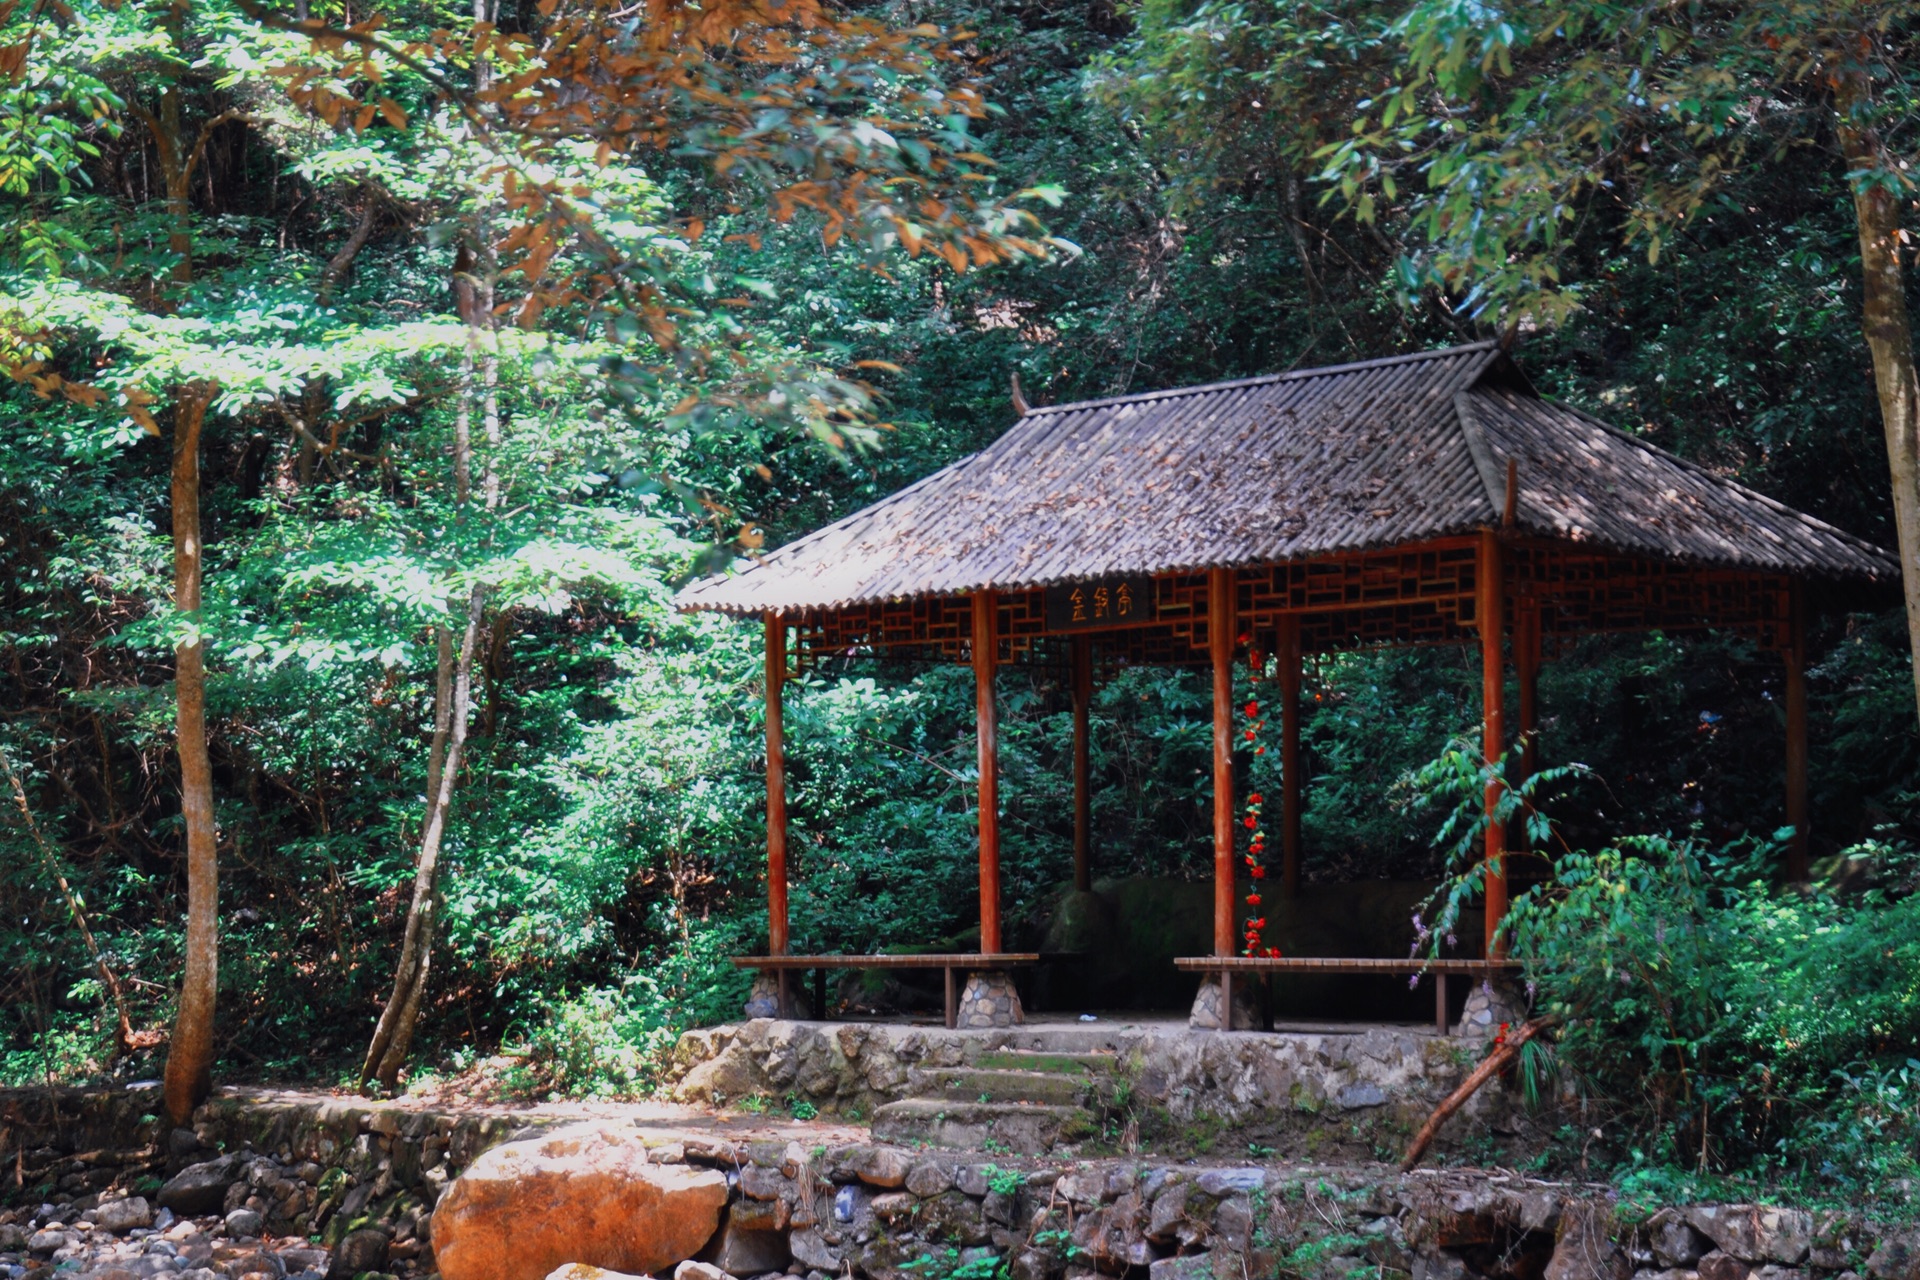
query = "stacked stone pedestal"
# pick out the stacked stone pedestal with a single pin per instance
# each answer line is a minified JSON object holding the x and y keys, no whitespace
{"x":763,"y":1001}
{"x":989,"y":1000}
{"x":1206,"y":1006}
{"x":1490,"y":1006}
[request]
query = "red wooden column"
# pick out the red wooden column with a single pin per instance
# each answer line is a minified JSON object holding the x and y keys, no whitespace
{"x":1220,"y":645}
{"x":1490,"y":608}
{"x":1082,"y":764}
{"x":1288,"y":660}
{"x":776,"y":629}
{"x":1796,"y":656}
{"x":986,"y":654}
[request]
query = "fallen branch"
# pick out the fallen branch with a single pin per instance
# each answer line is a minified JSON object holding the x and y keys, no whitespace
{"x":1499,"y":1060}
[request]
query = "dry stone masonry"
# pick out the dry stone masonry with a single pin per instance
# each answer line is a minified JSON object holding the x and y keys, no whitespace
{"x":1355,"y":1094}
{"x":989,"y":1000}
{"x":1205,"y":1015}
{"x":391,"y":1193}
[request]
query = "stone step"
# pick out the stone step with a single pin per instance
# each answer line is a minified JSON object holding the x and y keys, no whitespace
{"x":1041,"y":1060}
{"x":1018,"y":1128}
{"x":975,"y":1084}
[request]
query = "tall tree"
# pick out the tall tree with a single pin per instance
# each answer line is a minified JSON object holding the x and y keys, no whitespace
{"x":1503,"y":130}
{"x":1493,"y":144}
{"x":474,"y":283}
{"x":792,"y":110}
{"x":189,"y":1073}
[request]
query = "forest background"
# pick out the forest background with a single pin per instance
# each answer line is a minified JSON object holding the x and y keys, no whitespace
{"x":603,"y":846}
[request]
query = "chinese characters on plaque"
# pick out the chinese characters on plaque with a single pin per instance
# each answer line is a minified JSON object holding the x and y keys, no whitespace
{"x":1106,"y":602}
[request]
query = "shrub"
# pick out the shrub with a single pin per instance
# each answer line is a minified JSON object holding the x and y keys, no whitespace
{"x":1735,"y":1024}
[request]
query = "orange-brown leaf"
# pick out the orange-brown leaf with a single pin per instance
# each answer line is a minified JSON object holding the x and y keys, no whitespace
{"x":13,"y":59}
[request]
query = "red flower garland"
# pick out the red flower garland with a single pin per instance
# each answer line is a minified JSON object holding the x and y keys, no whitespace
{"x":1256,"y":843}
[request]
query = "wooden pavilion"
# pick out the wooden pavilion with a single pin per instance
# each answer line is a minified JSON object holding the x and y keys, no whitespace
{"x":1425,"y":499}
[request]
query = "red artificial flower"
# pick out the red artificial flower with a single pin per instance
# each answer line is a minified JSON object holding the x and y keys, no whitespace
{"x":1257,"y":871}
{"x":1254,"y":798}
{"x":1251,"y":822}
{"x":1253,"y":899}
{"x":1259,"y":751}
{"x":1253,"y":709}
{"x":1249,"y":735}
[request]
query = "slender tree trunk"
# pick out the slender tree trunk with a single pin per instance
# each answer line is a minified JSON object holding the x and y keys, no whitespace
{"x":473,"y":284}
{"x":453,"y":695}
{"x":123,"y":1031}
{"x":189,"y":1074}
{"x":1889,"y":332}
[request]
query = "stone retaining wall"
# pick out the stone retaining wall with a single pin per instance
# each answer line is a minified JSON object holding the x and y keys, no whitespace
{"x":833,"y":1209}
{"x":883,"y":1212}
{"x":888,"y":1213}
{"x":1305,"y":1095}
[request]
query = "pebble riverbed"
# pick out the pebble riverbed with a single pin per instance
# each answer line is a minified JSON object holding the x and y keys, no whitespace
{"x":126,"y":1239}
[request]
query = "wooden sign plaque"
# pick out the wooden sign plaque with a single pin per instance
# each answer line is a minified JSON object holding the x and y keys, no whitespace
{"x":1100,"y":604}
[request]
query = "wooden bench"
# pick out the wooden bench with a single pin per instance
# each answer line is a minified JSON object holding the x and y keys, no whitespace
{"x":1227,"y":966}
{"x":950,"y":962}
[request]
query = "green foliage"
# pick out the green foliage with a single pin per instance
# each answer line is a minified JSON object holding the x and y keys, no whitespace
{"x":960,"y":1264}
{"x":1732,"y":1025}
{"x":1003,"y":1182}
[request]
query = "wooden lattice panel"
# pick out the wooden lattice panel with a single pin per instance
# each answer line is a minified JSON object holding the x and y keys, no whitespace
{"x":1022,"y":620}
{"x":1581,"y":593}
{"x":1408,"y":597}
{"x":940,"y":626}
{"x":1416,"y":596}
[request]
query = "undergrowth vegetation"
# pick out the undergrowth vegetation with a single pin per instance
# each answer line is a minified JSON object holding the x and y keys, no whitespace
{"x":1712,"y":1021}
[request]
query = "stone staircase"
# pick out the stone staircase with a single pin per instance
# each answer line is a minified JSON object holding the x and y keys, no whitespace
{"x":1020,"y":1101}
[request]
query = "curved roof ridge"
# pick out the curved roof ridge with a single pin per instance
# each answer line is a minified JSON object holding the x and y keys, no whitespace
{"x":1290,"y":375}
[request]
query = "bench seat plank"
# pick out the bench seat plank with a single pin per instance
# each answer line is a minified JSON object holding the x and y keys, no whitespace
{"x":1337,"y":964}
{"x":938,"y":960}
{"x":1227,"y":966}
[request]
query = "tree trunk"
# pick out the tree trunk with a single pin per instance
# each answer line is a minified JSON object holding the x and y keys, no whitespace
{"x":1889,"y":332}
{"x":189,"y":1074}
{"x":453,"y":699}
{"x":453,"y":695}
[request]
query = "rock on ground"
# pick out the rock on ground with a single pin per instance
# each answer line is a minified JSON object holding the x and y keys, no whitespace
{"x":585,"y":1193}
{"x":122,"y":1215}
{"x":200,"y":1188}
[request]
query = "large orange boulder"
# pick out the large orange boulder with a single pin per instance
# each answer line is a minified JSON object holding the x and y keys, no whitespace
{"x":585,"y":1193}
